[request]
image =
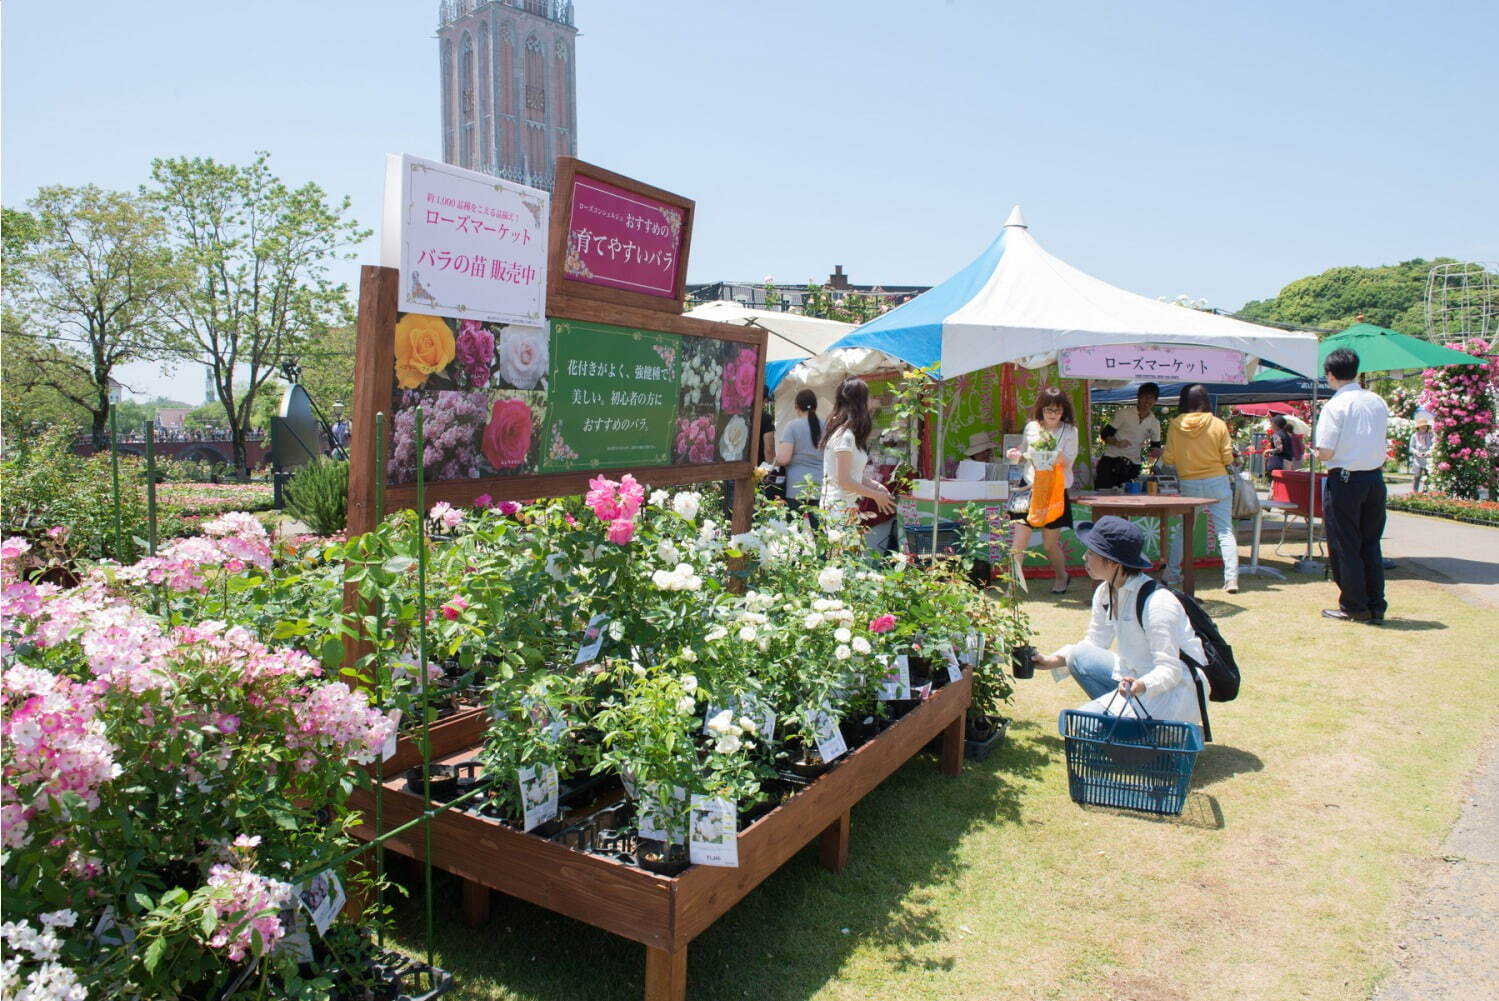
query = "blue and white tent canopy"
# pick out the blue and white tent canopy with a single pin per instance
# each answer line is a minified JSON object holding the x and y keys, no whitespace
{"x":1017,"y":303}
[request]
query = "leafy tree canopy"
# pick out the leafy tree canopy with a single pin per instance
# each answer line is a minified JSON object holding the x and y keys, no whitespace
{"x":1393,"y":295}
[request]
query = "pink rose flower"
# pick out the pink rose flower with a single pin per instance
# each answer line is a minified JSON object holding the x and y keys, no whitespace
{"x":507,"y":439}
{"x":621,"y":531}
{"x":474,"y":351}
{"x":509,"y":508}
{"x":882,"y":623}
{"x":739,"y":380}
{"x":483,"y":501}
{"x":453,"y":608}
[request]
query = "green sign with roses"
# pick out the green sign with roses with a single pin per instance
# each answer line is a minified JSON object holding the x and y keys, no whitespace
{"x":502,"y":400}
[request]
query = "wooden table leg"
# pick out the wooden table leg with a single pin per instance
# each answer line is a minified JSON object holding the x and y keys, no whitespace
{"x":665,"y":974}
{"x":952,"y":746}
{"x":833,"y":848}
{"x":1189,"y":530}
{"x":475,"y":903}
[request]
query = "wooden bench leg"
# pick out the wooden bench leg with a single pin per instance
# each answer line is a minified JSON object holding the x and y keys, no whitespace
{"x":475,"y":903}
{"x":834,"y":844}
{"x":952,"y":746}
{"x":665,"y":974}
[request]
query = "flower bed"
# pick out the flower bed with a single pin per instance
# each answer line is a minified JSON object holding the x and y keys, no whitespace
{"x":1439,"y":506}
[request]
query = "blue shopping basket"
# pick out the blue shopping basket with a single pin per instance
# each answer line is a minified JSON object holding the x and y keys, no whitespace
{"x":1129,"y":763}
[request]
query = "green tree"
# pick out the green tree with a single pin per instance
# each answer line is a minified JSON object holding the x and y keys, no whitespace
{"x":91,"y":276}
{"x":259,"y":253}
{"x":328,"y":369}
{"x":1393,"y":296}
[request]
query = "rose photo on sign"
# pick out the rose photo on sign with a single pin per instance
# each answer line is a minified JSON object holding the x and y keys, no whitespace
{"x":482,"y":389}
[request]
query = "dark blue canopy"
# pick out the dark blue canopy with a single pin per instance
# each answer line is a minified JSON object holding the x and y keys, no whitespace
{"x":1225,"y":394}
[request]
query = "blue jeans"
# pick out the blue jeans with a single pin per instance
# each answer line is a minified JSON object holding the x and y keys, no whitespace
{"x":1093,"y":670}
{"x":1220,"y":523}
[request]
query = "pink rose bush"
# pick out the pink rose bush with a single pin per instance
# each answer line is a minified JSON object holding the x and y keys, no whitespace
{"x":1462,"y":399}
{"x":617,"y":504}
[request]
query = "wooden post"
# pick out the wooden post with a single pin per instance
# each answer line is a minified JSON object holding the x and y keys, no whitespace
{"x":833,"y":848}
{"x":952,"y":746}
{"x":475,"y":903}
{"x":373,"y":345}
{"x":665,"y":974}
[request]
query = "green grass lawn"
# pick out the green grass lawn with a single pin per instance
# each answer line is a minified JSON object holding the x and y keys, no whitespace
{"x":1341,"y":763}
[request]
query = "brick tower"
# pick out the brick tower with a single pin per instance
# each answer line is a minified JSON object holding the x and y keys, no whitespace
{"x":509,"y":101}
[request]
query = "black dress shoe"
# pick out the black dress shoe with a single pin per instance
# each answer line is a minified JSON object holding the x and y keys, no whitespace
{"x":1376,"y":618}
{"x":1338,"y":613}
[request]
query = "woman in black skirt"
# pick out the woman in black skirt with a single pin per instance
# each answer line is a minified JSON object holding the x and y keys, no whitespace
{"x":1052,"y":415}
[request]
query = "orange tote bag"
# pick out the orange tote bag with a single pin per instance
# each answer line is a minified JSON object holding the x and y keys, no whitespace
{"x":1048,"y":496}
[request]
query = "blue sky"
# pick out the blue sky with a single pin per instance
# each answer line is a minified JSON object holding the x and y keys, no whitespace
{"x":1218,"y":150}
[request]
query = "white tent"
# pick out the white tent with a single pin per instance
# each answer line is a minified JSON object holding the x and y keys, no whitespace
{"x":1017,"y":303}
{"x":791,"y":334}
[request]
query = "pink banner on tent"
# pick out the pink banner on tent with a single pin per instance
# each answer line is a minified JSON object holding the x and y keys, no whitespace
{"x":622,"y":240}
{"x":1152,"y":363}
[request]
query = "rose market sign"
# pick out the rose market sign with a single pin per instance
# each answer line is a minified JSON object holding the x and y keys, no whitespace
{"x":467,"y":245}
{"x":1178,"y":363}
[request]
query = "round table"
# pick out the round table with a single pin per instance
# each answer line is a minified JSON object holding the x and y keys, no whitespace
{"x":1160,"y":507}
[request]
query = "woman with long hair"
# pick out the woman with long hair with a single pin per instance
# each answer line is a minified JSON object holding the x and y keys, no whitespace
{"x":1051,"y":416}
{"x":846,"y":475}
{"x":1201,"y":449}
{"x":799,"y":451}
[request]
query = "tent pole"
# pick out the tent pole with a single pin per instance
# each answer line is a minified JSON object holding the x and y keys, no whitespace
{"x":1306,"y":564}
{"x":937,"y":457}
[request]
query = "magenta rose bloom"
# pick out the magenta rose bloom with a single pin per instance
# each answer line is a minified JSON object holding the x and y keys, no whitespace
{"x":739,"y":380}
{"x":507,"y":439}
{"x":474,"y":351}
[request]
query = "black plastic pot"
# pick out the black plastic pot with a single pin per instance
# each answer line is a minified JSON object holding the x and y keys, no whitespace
{"x":1022,"y":663}
{"x":662,"y":859}
{"x":983,"y":741}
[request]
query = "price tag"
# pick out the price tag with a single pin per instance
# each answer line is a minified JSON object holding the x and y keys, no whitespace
{"x":830,"y":743}
{"x":715,"y":832}
{"x":538,"y":795}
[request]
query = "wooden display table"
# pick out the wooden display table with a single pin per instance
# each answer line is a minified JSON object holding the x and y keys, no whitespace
{"x":662,"y":913}
{"x":1161,"y":507}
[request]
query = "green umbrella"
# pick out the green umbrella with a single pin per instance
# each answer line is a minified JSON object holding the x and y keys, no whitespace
{"x":1380,"y":349}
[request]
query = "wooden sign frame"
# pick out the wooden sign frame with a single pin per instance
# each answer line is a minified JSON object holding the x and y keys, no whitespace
{"x":374,"y":385}
{"x":562,"y":290}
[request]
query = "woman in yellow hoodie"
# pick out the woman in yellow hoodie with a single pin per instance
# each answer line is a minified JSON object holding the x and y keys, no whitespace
{"x":1198,"y":445}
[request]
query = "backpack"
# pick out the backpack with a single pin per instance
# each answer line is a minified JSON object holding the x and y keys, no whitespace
{"x":1298,"y":448}
{"x":1221,"y":670}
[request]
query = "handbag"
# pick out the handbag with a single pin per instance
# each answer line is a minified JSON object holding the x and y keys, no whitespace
{"x":1246,"y":501}
{"x":1019,"y":501}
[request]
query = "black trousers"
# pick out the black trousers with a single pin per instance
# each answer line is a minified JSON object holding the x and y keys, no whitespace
{"x":1115,"y":471}
{"x":1353,"y":509}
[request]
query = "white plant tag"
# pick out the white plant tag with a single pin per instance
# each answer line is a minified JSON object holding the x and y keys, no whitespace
{"x":830,"y":743}
{"x":552,"y":726}
{"x":389,"y":750}
{"x":923,"y":693}
{"x":715,"y":834}
{"x":323,"y":896}
{"x":897,"y":684}
{"x":954,"y":671}
{"x":649,"y":822}
{"x":295,"y":941}
{"x":593,"y":639}
{"x":538,"y":795}
{"x":973,"y":650}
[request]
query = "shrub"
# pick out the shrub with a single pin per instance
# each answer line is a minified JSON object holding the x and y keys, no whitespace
{"x":318,"y":494}
{"x":1461,"y":397}
{"x":1436,"y":505}
{"x":46,"y":485}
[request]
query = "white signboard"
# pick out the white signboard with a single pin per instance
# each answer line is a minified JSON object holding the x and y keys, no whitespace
{"x":1152,"y":362}
{"x":467,"y":244}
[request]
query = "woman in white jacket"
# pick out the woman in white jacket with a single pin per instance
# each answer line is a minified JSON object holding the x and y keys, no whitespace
{"x":1148,"y":662}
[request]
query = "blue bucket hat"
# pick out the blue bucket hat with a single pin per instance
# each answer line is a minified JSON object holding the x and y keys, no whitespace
{"x":1115,"y":538}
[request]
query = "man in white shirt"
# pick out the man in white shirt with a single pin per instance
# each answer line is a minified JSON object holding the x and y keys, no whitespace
{"x":1127,"y":432}
{"x":1351,"y":440}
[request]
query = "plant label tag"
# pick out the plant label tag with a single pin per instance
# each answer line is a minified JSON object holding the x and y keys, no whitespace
{"x":649,"y":822}
{"x":545,"y":719}
{"x":923,"y":693}
{"x":830,"y":743}
{"x":954,"y":670}
{"x":296,"y":942}
{"x":897,"y":684}
{"x":593,"y":639}
{"x":715,"y":833}
{"x":323,"y":896}
{"x":973,"y":650}
{"x":758,"y":709}
{"x":538,"y":795}
{"x":389,"y":750}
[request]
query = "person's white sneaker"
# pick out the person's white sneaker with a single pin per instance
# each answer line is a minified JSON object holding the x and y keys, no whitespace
{"x":1232,"y":587}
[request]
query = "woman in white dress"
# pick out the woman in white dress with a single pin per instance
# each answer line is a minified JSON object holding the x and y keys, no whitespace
{"x":846,"y":475}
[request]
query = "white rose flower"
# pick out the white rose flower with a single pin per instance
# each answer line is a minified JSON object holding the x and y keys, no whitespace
{"x":861,"y":645}
{"x":638,"y":671}
{"x":717,"y":633}
{"x":686,"y":705}
{"x":709,"y":531}
{"x":523,"y":356}
{"x":667,"y":553}
{"x":728,"y":744}
{"x":687,"y":504}
{"x":663,"y":579}
{"x":747,"y":633}
{"x":836,"y":535}
{"x":659,"y":498}
{"x":842,"y":635}
{"x":830,"y":580}
{"x":689,"y":683}
{"x":747,"y":725}
{"x":689,"y":655}
{"x":842,"y":652}
{"x":721,"y":722}
{"x":734,"y":439}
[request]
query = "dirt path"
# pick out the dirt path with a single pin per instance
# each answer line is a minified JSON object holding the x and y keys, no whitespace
{"x":1445,"y":948}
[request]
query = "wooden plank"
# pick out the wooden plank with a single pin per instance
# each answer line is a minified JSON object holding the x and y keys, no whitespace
{"x":457,"y":732}
{"x":833,"y":846}
{"x":566,"y":307}
{"x":463,"y":492}
{"x":475,"y":903}
{"x":704,"y":893}
{"x":375,"y":357}
{"x":618,"y":898}
{"x":665,"y":974}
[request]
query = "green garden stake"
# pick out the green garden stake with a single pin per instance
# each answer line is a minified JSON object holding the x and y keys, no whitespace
{"x":379,"y":467}
{"x":380,"y":683}
{"x":421,"y":629}
{"x":150,"y":488}
{"x":114,"y":472}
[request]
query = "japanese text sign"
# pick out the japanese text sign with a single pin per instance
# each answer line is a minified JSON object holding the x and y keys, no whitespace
{"x":622,"y":240}
{"x":1152,"y":362}
{"x":467,"y":245}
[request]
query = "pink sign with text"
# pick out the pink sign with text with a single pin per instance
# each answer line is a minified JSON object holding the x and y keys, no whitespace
{"x":622,"y":240}
{"x":1152,"y":362}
